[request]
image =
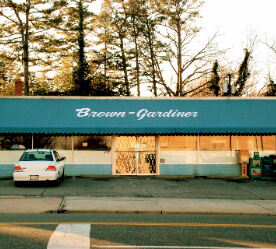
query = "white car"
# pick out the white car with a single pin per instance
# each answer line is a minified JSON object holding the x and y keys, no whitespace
{"x":39,"y":165}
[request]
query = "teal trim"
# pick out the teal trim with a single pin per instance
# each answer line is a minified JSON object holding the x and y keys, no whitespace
{"x":6,"y":170}
{"x":137,"y":116}
{"x":200,"y":169}
{"x":88,"y":169}
{"x":177,"y":169}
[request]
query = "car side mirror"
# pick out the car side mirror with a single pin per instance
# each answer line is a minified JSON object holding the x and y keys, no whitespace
{"x":63,"y":158}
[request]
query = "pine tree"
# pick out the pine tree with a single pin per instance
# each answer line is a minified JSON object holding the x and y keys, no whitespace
{"x":77,"y":25}
{"x":24,"y":29}
{"x":214,"y":81}
{"x":243,"y":74}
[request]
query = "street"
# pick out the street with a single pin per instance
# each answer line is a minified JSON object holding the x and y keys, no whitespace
{"x":24,"y":224}
{"x":137,"y":231}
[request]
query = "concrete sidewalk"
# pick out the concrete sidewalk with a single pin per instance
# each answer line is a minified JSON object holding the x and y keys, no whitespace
{"x":142,"y":195}
{"x":70,"y":204}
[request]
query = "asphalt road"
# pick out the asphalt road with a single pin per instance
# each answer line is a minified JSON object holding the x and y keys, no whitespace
{"x":199,"y":188}
{"x":138,"y":231}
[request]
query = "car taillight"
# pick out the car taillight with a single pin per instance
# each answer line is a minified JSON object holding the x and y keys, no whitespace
{"x":17,"y":168}
{"x":51,"y":168}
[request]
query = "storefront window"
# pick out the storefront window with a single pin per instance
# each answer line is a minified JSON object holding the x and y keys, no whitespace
{"x":178,"y":143}
{"x":245,"y":143}
{"x":15,"y":142}
{"x":214,"y":143}
{"x":42,"y":141}
{"x":92,"y":142}
{"x":268,"y":143}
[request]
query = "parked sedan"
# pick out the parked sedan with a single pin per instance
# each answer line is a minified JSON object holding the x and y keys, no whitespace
{"x":39,"y":165}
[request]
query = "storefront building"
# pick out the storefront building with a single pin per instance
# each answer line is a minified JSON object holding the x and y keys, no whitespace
{"x":139,"y":136}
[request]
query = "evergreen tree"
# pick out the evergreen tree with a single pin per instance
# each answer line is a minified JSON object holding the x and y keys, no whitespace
{"x":243,"y":74}
{"x":214,"y":81}
{"x":77,"y":24}
{"x":9,"y":72}
{"x":24,"y":29}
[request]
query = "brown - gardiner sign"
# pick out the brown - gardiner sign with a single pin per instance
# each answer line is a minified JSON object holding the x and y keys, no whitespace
{"x":140,"y":114}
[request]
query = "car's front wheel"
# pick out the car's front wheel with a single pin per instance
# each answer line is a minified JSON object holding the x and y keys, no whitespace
{"x":62,"y":177}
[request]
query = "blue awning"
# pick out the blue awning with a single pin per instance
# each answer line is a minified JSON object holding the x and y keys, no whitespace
{"x":137,"y":115}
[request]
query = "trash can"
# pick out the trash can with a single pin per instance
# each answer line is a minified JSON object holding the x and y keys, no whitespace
{"x":266,"y":166}
{"x":273,"y":165}
{"x":255,"y":166}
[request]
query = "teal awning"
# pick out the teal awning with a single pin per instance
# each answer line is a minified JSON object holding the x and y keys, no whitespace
{"x":137,"y":115}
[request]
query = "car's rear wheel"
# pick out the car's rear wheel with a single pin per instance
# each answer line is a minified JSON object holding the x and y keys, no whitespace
{"x":17,"y":184}
{"x":56,"y":182}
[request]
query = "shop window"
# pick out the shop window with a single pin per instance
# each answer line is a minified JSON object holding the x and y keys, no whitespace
{"x":42,"y":141}
{"x":245,"y":143}
{"x":178,"y":143}
{"x":268,"y":143}
{"x":15,"y":142}
{"x":92,"y":142}
{"x":214,"y":143}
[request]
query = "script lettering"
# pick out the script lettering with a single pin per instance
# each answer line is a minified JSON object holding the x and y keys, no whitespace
{"x":141,"y":114}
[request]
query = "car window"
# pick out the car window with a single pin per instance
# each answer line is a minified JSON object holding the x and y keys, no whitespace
{"x":37,"y":156}
{"x":57,"y":156}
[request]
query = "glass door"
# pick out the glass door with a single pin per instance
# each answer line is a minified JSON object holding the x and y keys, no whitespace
{"x":135,"y":155}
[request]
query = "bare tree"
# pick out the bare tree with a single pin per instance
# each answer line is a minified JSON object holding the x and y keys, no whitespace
{"x":178,"y":27}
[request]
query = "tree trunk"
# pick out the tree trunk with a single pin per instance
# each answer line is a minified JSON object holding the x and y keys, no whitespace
{"x":179,"y":63}
{"x":124,"y":65}
{"x":25,"y":43}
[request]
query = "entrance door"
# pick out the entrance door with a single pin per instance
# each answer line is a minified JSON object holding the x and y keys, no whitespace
{"x":135,"y":155}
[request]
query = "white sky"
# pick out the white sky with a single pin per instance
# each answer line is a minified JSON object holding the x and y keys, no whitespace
{"x":236,"y":18}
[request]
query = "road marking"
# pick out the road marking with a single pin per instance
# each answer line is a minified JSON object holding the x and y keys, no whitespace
{"x":173,"y":247}
{"x":70,"y":236}
{"x":138,"y":224}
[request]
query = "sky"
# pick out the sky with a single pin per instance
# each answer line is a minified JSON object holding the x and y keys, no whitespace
{"x":235,"y":19}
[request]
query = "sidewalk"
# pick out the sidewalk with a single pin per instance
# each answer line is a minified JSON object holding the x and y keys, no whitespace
{"x":132,"y":205}
{"x":141,"y":196}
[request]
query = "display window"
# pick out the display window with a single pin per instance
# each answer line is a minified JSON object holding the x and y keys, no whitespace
{"x":92,"y":142}
{"x":245,"y":143}
{"x":60,"y":142}
{"x":268,"y":143}
{"x":214,"y":143}
{"x":15,"y":142}
{"x":178,"y":143}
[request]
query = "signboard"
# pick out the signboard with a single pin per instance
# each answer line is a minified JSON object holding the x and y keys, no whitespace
{"x":137,"y":116}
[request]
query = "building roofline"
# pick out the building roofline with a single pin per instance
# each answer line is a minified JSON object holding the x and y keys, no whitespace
{"x":138,"y":98}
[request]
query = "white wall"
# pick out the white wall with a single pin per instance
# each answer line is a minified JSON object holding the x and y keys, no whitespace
{"x":205,"y":157}
{"x":76,"y":157}
{"x":10,"y":156}
{"x":87,"y":157}
{"x":171,"y":157}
